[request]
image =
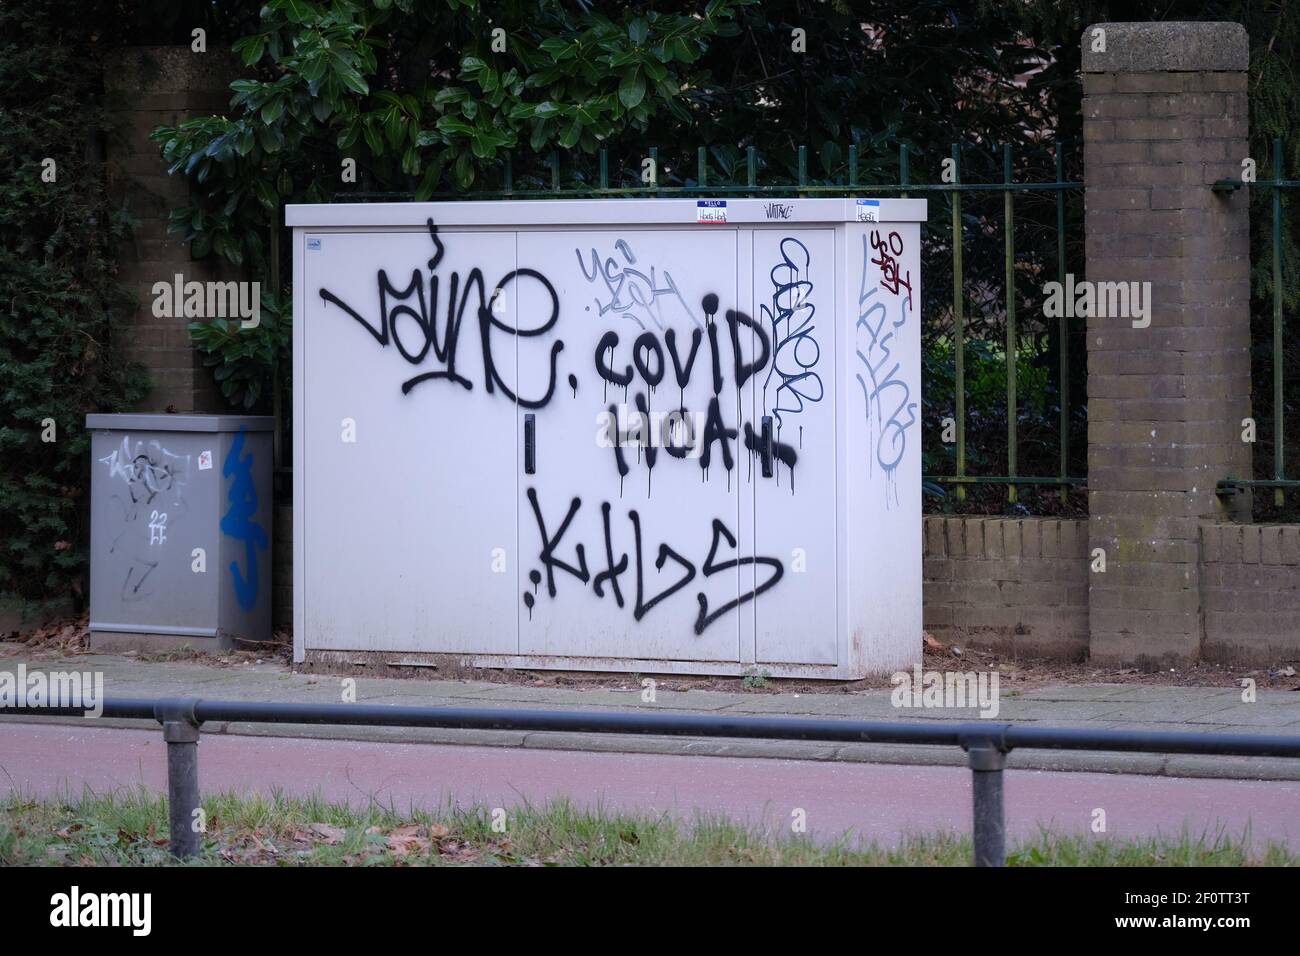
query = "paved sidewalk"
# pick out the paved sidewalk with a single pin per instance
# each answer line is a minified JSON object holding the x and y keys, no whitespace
{"x":1114,"y":706}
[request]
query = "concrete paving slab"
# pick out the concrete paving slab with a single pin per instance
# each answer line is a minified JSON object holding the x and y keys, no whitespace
{"x":1068,"y":692}
{"x":1157,"y":712}
{"x":1157,"y":693}
{"x":873,"y":706}
{"x":1037,"y":711}
{"x":418,"y":735}
{"x":1234,"y":768}
{"x":1264,"y":719}
{"x":453,"y":690}
{"x":1278,"y":698}
{"x":565,"y":696}
{"x":697,"y":746}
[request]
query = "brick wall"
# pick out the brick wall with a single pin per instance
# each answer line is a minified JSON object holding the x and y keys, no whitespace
{"x":1008,"y":583}
{"x":1250,"y":590}
{"x":149,"y":87}
{"x":1165,"y":114}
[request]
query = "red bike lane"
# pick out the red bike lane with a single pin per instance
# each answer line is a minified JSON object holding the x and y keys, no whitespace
{"x":877,"y":801}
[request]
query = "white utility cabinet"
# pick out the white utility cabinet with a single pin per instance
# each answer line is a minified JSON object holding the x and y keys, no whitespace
{"x":649,"y":435}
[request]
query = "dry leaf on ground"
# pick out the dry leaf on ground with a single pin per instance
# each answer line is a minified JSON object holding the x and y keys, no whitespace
{"x":328,"y":833}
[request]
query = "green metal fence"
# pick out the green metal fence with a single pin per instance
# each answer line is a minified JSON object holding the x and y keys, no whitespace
{"x":551,"y":184}
{"x":1279,"y":482}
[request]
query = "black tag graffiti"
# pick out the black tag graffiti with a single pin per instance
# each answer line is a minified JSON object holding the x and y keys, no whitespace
{"x":643,"y":605}
{"x":704,"y":619}
{"x":547,"y":555}
{"x":409,"y":303}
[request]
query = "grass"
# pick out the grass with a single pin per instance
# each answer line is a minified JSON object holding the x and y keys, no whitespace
{"x":129,"y":828}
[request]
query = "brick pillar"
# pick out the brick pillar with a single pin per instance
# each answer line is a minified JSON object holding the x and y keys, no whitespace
{"x":148,"y":87}
{"x":1165,"y":116}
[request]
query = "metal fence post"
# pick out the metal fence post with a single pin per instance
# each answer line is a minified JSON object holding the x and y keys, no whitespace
{"x":181,"y":731}
{"x":987,"y":760}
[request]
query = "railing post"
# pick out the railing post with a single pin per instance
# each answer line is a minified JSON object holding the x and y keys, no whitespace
{"x":1279,"y":354}
{"x":958,"y":324}
{"x":181,"y":732}
{"x":987,"y":758}
{"x":1063,"y":328}
{"x":1013,"y":338}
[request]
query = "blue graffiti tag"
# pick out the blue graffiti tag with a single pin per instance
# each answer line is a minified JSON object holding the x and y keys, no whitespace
{"x":238,"y":521}
{"x":889,"y":409}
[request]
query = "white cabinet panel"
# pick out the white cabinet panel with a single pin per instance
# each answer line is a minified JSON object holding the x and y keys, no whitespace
{"x":882,"y":364}
{"x":795,"y":488}
{"x":410,"y":508}
{"x":629,"y":551}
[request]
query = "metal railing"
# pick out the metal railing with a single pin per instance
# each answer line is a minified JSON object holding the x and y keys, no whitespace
{"x":843,"y":179}
{"x":1279,"y":482}
{"x":986,"y":744}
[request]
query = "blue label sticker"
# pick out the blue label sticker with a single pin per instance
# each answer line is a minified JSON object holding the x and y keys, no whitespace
{"x":868,"y":210}
{"x":313,"y":244}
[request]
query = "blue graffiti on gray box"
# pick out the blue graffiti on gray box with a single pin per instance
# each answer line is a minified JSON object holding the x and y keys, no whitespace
{"x":238,"y":521}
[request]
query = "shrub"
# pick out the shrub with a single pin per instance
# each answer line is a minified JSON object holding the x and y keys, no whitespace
{"x":59,"y":351}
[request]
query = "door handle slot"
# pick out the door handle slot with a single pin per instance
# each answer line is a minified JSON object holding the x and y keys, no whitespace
{"x":530,"y":444}
{"x":765,"y":450}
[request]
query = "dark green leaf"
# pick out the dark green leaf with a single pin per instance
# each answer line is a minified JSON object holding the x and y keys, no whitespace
{"x":572,"y":134}
{"x":631,"y":90}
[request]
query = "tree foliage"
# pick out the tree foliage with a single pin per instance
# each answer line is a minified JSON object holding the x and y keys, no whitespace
{"x":448,"y":97}
{"x":431,"y":97}
{"x":61,"y":309}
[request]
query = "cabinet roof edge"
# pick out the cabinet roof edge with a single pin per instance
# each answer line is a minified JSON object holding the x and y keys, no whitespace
{"x":602,"y":212}
{"x":164,"y":422}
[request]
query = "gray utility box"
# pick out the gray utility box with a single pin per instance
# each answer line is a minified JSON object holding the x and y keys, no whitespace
{"x":180,"y":530}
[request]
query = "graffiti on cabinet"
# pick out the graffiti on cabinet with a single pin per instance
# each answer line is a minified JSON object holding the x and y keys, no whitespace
{"x":239,"y":521}
{"x":883,"y":311}
{"x":671,"y":366}
{"x":645,"y":295}
{"x":400,"y":308}
{"x":149,"y":503}
{"x":685,"y":570}
{"x":796,"y":353}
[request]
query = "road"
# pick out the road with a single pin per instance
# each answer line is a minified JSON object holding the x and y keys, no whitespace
{"x":877,"y":801}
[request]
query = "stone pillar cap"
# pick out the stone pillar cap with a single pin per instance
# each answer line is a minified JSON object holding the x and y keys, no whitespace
{"x":1176,"y":47}
{"x":134,"y":70}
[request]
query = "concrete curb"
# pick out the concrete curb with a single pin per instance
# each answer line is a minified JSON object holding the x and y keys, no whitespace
{"x":1160,"y":765}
